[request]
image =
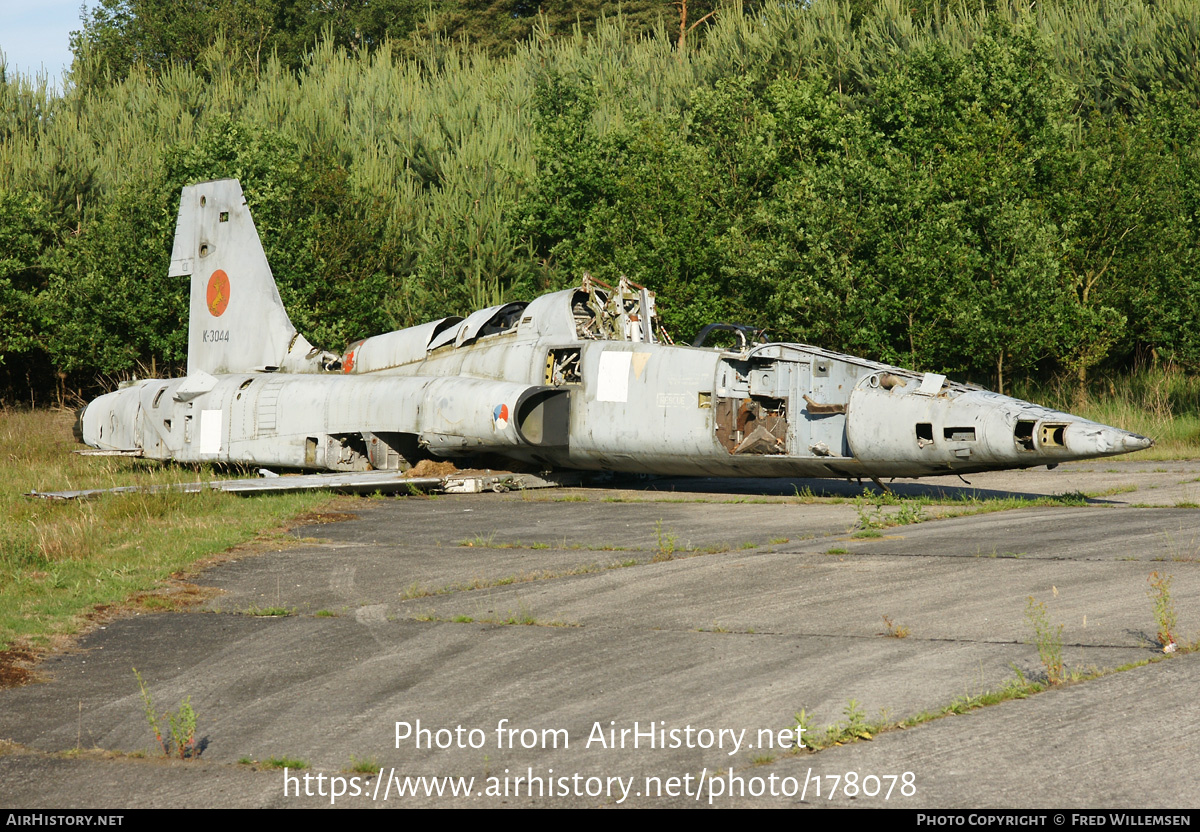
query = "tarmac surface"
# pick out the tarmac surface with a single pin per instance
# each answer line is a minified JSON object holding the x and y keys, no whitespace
{"x":526,"y":631}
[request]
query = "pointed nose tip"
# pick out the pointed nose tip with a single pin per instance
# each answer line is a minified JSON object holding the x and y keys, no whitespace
{"x":1133,"y":442}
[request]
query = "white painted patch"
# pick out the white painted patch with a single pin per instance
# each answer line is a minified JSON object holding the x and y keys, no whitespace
{"x":210,"y":431}
{"x":612,"y":382}
{"x":931,"y":384}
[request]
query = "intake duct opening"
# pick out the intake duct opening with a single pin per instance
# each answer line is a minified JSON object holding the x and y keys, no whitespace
{"x":544,"y":417}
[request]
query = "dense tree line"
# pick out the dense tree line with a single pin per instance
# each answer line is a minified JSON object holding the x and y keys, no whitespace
{"x":117,"y":35}
{"x":995,"y":192}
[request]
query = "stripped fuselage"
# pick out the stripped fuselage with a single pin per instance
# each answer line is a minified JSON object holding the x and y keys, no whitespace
{"x":583,"y":378}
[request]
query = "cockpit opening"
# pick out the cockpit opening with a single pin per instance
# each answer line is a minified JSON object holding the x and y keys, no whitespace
{"x":625,"y":312}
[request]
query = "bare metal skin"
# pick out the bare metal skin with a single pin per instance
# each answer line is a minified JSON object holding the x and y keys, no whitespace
{"x":584,"y":378}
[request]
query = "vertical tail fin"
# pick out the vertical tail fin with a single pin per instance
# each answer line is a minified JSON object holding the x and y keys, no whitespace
{"x":237,"y":321}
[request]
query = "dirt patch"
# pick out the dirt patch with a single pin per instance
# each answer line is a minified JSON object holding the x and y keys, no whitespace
{"x":337,"y":510}
{"x":177,"y":594}
{"x":319,"y":518}
{"x":16,"y":667}
{"x":429,"y":468}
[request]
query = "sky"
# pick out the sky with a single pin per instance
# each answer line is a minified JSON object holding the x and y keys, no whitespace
{"x":36,"y":35}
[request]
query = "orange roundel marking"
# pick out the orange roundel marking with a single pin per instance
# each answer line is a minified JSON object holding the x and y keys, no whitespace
{"x":348,"y":362}
{"x":218,"y":293}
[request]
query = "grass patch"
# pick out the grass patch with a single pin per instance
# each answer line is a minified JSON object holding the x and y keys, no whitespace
{"x":856,"y":727}
{"x":877,"y":511}
{"x":1109,"y":492}
{"x":363,"y":765}
{"x":285,"y":762}
{"x":154,"y":603}
{"x":960,"y":503}
{"x":895,"y":630}
{"x":1164,"y":610}
{"x":1047,"y":638}
{"x":270,"y":612}
{"x":63,"y":562}
{"x":523,"y":618}
{"x":181,"y":724}
{"x":803,"y":496}
{"x":481,"y":542}
{"x":873,"y":511}
{"x":664,"y":550}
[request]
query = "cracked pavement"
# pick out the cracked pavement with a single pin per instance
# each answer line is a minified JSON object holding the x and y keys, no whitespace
{"x":711,"y":604}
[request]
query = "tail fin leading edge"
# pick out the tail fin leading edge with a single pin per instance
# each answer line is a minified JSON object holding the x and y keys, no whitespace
{"x":237,"y":321}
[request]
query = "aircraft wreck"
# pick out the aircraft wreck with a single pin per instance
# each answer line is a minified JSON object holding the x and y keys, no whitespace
{"x":583,"y":379}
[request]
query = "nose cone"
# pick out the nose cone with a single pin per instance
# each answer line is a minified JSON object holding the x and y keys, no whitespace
{"x":1135,"y":442}
{"x":1092,"y":439}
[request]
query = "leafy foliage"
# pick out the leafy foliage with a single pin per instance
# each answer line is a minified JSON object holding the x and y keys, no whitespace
{"x":26,"y":233}
{"x":118,"y":35}
{"x":960,"y":188}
